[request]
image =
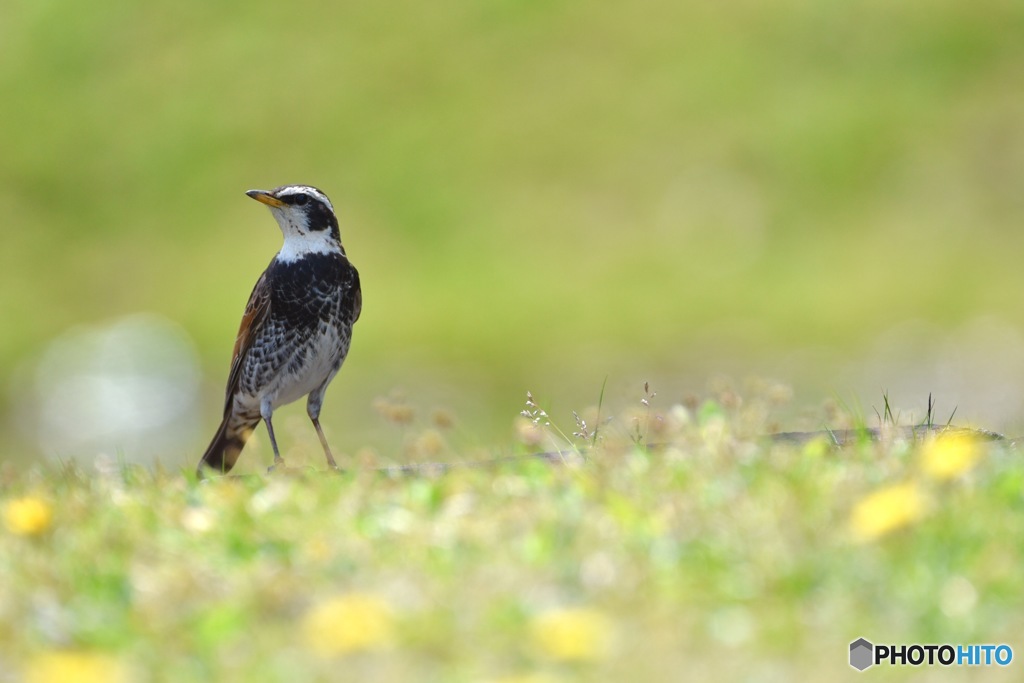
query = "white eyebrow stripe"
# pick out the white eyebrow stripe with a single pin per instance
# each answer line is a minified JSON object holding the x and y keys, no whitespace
{"x":307,"y":190}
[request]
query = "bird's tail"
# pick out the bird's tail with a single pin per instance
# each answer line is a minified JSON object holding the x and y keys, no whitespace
{"x":227,"y":443}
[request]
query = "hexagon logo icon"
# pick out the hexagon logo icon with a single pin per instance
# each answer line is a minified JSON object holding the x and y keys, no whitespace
{"x":861,"y":654}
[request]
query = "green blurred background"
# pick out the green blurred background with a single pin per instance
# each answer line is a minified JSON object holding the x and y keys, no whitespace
{"x":539,"y":195}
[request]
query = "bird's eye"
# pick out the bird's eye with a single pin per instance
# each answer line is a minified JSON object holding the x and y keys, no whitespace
{"x":301,"y":200}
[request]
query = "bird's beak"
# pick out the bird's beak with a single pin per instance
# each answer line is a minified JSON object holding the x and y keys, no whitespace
{"x":264,"y":197}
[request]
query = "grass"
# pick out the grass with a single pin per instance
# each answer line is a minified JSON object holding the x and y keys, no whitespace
{"x":536,"y":194}
{"x":717,"y":553}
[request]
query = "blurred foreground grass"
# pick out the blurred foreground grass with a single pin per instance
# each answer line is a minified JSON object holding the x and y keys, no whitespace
{"x":717,"y":556}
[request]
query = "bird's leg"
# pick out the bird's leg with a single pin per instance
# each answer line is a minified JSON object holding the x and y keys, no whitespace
{"x":323,"y":441}
{"x":265,"y":413}
{"x":313,"y":404}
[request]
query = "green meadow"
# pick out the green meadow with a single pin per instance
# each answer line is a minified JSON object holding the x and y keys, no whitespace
{"x":782,"y":216}
{"x":709,"y":555}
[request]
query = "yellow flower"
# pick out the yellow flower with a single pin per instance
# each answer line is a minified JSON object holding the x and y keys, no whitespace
{"x":887,"y":510}
{"x":946,"y":457}
{"x":348,"y":623}
{"x":572,"y":634}
{"x":75,"y":667}
{"x":28,"y":516}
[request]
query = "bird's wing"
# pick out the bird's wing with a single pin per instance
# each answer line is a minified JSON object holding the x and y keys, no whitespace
{"x":255,"y":316}
{"x":357,"y":296}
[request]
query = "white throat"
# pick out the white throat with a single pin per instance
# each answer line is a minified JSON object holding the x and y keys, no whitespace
{"x":299,"y":240}
{"x":297,"y":245}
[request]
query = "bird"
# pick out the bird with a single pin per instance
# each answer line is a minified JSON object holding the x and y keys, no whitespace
{"x":296,"y":328}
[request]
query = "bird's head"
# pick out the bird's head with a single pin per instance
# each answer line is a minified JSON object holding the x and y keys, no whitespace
{"x":306,"y":217}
